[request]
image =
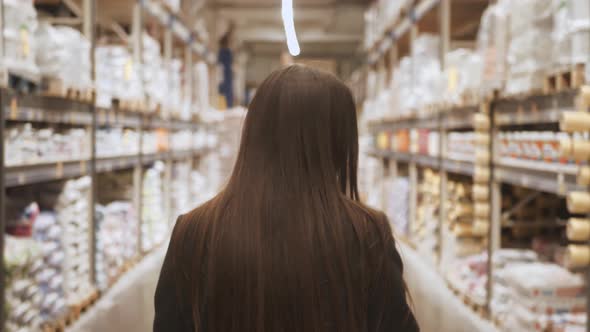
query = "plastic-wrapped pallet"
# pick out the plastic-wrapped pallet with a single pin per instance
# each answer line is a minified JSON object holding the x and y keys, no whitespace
{"x":172,"y":103}
{"x":202,"y":87}
{"x":112,"y":142}
{"x":181,"y":190}
{"x":541,"y":293}
{"x":63,"y":53}
{"x":72,"y":210}
{"x":463,"y":72}
{"x":531,"y":21}
{"x":28,"y":145}
{"x":117,"y":76}
{"x":154,"y":75}
{"x":154,"y":225}
{"x":492,"y":45}
{"x":19,"y":43}
{"x":117,"y":234}
{"x":47,"y":232}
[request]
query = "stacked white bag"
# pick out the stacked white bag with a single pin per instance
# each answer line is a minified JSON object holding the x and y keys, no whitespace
{"x":117,"y":76}
{"x":154,"y":74}
{"x":63,"y":53}
{"x":20,"y":22}
{"x":531,"y":22}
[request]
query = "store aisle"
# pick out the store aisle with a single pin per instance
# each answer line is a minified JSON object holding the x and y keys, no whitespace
{"x":435,"y":306}
{"x":128,"y":305}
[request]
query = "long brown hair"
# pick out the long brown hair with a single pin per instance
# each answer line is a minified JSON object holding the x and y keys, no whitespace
{"x":286,"y":246}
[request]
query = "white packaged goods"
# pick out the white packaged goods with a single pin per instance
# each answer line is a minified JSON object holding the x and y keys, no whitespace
{"x":397,"y":207}
{"x":461,"y":146}
{"x":112,"y":142}
{"x":182,"y":199}
{"x":202,"y":87}
{"x":154,"y":225}
{"x":27,"y":145}
{"x":116,"y":240}
{"x":117,"y":76}
{"x":464,"y":69}
{"x":153,"y":72}
{"x":63,"y":53}
{"x":72,"y":211}
{"x":492,"y":44}
{"x":19,"y":42}
{"x":181,"y":140}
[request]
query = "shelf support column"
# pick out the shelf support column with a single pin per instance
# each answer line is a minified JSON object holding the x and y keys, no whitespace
{"x":88,"y":26}
{"x":188,"y":82}
{"x":445,"y":30}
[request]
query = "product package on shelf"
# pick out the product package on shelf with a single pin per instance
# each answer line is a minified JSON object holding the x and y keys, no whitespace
{"x":461,"y":146}
{"x":155,"y":141}
{"x":72,"y":211}
{"x":19,"y":41}
{"x":201,"y":73}
{"x":22,"y":259}
{"x":425,"y":227}
{"x":25,"y":145}
{"x":117,"y":76}
{"x":116,"y":240}
{"x":154,"y":75}
{"x":63,"y":53}
{"x":181,"y":140}
{"x":398,"y":197}
{"x":181,"y":189}
{"x":464,"y":70}
{"x":117,"y":227}
{"x":172,"y":104}
{"x":492,"y":45}
{"x":112,"y":142}
{"x":154,"y":225}
{"x":47,"y":253}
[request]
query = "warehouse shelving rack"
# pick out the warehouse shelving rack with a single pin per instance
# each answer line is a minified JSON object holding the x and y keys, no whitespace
{"x":544,"y":108}
{"x":24,"y":106}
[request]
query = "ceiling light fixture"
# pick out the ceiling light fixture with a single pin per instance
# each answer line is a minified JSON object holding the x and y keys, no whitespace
{"x":288,"y":22}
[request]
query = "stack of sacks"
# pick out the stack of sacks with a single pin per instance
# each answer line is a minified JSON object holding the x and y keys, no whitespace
{"x":492,"y":45}
{"x":72,"y":210}
{"x":155,"y":141}
{"x":22,"y":259}
{"x":117,"y":76}
{"x":19,"y":42}
{"x":542,"y":295}
{"x":202,"y":87}
{"x":47,"y":232}
{"x":418,"y":81}
{"x":116,"y":240}
{"x":27,"y":145}
{"x":154,"y":74}
{"x":397,"y":209}
{"x":173,"y":101}
{"x":63,"y":53}
{"x":425,"y":227}
{"x":181,"y":140}
{"x":468,"y":275}
{"x":181,"y":195}
{"x":464,"y":74}
{"x":154,"y":225}
{"x":531,"y":21}
{"x":113,"y":142}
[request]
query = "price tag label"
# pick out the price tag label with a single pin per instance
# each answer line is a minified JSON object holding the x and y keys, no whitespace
{"x":59,"y":169}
